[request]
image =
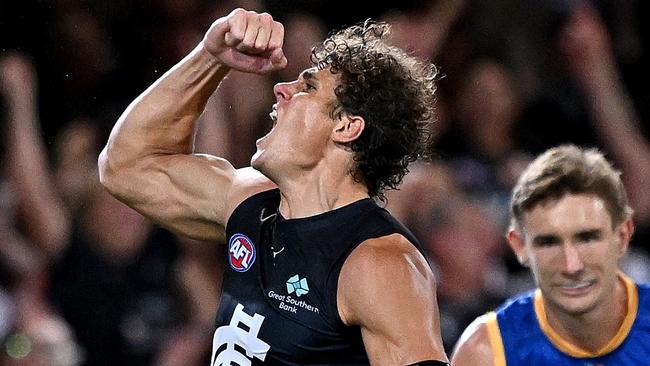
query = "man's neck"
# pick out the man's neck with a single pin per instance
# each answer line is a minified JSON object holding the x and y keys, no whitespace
{"x":313,"y":194}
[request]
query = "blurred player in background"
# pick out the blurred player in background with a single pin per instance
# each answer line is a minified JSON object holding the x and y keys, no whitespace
{"x":571,"y":224}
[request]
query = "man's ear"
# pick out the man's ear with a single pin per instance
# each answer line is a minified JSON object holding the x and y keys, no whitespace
{"x":348,"y":129}
{"x":518,"y":245}
{"x":624,"y":231}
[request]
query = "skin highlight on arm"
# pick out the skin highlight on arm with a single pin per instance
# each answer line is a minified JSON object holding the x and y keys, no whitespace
{"x":475,"y":346}
{"x":399,"y":323}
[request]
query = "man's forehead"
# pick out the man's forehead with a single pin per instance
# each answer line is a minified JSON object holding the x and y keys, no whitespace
{"x":309,"y":73}
{"x":572,"y":211}
{"x":314,"y":73}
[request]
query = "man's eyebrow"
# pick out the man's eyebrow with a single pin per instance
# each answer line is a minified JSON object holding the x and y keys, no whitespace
{"x":309,"y":75}
{"x":545,"y":239}
{"x":589,"y":233}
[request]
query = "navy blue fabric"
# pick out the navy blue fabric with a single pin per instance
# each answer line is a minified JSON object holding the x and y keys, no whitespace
{"x":292,"y":281}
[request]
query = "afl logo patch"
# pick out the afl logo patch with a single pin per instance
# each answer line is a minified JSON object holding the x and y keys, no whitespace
{"x":241,"y":252}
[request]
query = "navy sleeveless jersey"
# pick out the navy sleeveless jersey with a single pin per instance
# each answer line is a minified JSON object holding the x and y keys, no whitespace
{"x":278,"y":305}
{"x":520,"y":334}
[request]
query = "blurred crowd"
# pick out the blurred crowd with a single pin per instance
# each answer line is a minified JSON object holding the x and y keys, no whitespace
{"x":84,"y":280}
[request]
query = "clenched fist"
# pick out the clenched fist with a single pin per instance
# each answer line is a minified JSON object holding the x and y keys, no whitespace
{"x":247,"y":41}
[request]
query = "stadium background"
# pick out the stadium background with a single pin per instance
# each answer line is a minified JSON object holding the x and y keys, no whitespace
{"x":103,"y":286}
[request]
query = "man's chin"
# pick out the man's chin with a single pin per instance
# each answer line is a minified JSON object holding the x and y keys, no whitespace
{"x":257,"y":161}
{"x":576,"y":307}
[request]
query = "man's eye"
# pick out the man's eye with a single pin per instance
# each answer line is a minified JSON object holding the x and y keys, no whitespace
{"x":546,"y":241}
{"x":589,"y":236}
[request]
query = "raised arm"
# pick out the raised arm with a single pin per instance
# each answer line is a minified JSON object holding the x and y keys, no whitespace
{"x":432,"y":25}
{"x":148,"y":161}
{"x":589,"y":53}
{"x":388,"y":289}
{"x":46,"y":219}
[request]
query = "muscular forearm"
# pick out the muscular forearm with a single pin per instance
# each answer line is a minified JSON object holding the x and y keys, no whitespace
{"x":161,"y":120}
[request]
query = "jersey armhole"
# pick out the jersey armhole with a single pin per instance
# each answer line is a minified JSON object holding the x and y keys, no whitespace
{"x":494,"y":337}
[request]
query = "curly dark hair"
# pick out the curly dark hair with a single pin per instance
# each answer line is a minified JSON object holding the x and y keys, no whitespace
{"x":392,"y":91}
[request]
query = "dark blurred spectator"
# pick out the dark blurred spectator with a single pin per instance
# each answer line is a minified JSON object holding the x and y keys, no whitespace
{"x":115,"y":285}
{"x":481,"y":145}
{"x":466,"y":243}
{"x":119,"y":282}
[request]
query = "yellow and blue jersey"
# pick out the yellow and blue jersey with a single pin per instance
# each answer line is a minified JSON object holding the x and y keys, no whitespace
{"x":519,"y":334}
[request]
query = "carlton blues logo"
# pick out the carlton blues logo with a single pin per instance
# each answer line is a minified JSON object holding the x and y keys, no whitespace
{"x":241,"y":252}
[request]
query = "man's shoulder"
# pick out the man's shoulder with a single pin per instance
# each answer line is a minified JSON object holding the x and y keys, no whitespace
{"x":251,"y":181}
{"x":522,"y":301}
{"x":386,"y":267}
{"x":247,"y":182}
{"x":388,"y":289}
{"x":385,"y":233}
{"x":477,"y":331}
{"x":473,"y":347}
{"x":387,"y":253}
{"x":476,"y":344}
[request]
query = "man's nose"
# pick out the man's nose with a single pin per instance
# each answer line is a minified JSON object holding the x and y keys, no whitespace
{"x":282,"y":91}
{"x":572,"y":259}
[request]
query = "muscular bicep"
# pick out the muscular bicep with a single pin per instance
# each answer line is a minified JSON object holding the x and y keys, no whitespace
{"x":473,"y":348}
{"x":387,"y":288}
{"x":191,"y":195}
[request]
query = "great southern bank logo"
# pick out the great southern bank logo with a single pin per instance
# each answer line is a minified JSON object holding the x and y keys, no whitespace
{"x":297,"y":285}
{"x":241,"y":252}
{"x":290,"y":302}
